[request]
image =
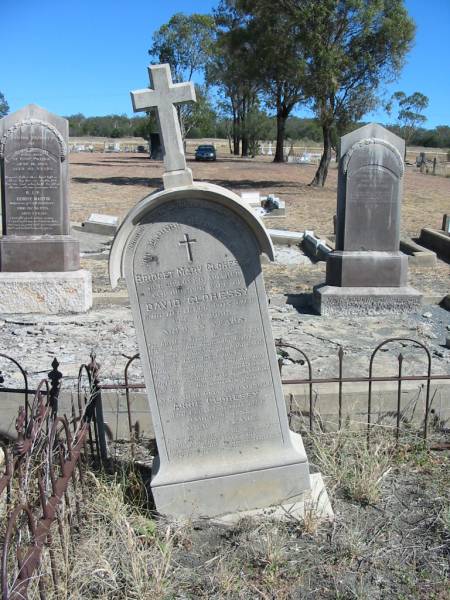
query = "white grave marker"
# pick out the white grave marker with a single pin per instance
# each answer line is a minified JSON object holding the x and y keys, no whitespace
{"x":164,"y":96}
{"x":190,"y":256}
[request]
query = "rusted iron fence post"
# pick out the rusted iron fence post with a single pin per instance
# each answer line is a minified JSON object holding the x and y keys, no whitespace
{"x":96,"y":398}
{"x":42,"y":482}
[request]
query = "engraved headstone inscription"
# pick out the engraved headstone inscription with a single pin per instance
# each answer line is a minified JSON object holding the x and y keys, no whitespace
{"x":191,"y":260}
{"x":35,"y":215}
{"x":367,"y":254}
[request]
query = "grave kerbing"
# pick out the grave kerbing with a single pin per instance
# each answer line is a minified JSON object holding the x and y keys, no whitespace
{"x":190,"y":256}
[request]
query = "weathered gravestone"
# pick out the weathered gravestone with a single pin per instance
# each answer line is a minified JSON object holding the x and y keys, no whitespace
{"x":35,"y":217}
{"x":191,"y":259}
{"x":367,"y":273}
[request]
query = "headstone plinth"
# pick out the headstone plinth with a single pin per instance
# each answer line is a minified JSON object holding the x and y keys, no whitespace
{"x":191,"y":260}
{"x":367,"y":273}
{"x":39,"y":253}
{"x":35,"y":209}
{"x":45,"y":293}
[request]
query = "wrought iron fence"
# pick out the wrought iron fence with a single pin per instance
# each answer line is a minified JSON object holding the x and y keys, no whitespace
{"x":42,"y":483}
{"x":311,"y":418}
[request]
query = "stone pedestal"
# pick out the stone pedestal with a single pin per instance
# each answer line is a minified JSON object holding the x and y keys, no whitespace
{"x":52,"y":253}
{"x":45,"y":293}
{"x":371,"y":269}
{"x":365,"y":301}
{"x":202,"y":490}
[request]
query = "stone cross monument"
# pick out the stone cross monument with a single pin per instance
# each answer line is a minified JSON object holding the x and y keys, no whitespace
{"x":164,"y":96}
{"x":190,"y":256}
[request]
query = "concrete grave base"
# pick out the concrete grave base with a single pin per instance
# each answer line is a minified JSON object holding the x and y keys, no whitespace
{"x":365,"y":301}
{"x":45,"y":293}
{"x":314,"y":504}
{"x":234,"y":489}
{"x":418,"y":255}
{"x":284,"y":237}
{"x":101,"y":224}
{"x":367,"y":269}
{"x":55,"y":253}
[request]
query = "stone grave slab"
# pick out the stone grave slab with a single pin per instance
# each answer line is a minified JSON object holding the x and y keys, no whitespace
{"x":101,"y":224}
{"x":436,"y":240}
{"x":252,"y":198}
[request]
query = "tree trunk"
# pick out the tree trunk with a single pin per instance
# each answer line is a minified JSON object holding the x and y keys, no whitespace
{"x":244,"y":132}
{"x":236,"y":144}
{"x":282,"y":116}
{"x":245,"y":145}
{"x":229,"y":143}
{"x":236,"y":136}
{"x":321,"y":174}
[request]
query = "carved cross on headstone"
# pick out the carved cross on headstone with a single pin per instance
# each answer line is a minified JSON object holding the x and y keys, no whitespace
{"x":164,"y":96}
{"x":188,"y":243}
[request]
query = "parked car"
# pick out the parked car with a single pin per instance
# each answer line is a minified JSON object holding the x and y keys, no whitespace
{"x":205,"y":152}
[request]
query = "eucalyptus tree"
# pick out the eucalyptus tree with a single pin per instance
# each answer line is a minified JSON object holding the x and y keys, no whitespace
{"x":231,"y":70}
{"x":185,"y":43}
{"x":409,"y":116}
{"x":4,"y":107}
{"x":278,"y":60}
{"x":351,"y":48}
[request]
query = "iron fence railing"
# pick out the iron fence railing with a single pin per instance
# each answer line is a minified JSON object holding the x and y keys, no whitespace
{"x":311,"y":418}
{"x":41,"y":481}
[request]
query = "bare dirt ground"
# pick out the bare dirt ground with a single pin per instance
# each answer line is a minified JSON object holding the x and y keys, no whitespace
{"x":113,"y":183}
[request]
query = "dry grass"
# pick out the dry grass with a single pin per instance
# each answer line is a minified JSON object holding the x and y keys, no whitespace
{"x":121,"y":553}
{"x":355,"y":469}
{"x":390,"y":538}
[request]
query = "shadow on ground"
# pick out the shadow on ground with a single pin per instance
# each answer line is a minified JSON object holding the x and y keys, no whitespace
{"x":248,"y":183}
{"x":154,"y":182}
{"x":303,"y":303}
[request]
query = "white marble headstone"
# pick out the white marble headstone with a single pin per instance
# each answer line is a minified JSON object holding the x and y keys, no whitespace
{"x":191,"y":260}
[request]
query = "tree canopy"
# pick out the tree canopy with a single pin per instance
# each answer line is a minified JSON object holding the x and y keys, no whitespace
{"x":410,"y":109}
{"x":351,"y":48}
{"x":185,"y":43}
{"x":276,"y":59}
{"x":4,"y":107}
{"x":260,"y":62}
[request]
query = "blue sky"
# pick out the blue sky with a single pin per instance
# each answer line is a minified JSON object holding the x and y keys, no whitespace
{"x":85,"y":56}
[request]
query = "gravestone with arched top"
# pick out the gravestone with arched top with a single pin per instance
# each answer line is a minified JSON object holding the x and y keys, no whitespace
{"x":190,"y":255}
{"x":39,"y":259}
{"x":367,"y":273}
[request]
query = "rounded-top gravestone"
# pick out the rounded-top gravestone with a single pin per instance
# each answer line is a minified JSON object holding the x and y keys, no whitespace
{"x":191,"y":260}
{"x":34,"y":184}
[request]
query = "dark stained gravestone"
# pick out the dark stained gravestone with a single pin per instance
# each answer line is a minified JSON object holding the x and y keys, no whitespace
{"x":191,"y":260}
{"x":34,"y":186}
{"x":367,"y":273}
